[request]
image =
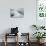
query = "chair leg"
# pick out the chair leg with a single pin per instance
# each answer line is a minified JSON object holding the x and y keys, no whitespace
{"x":5,"y":43}
{"x":5,"y":40}
{"x":17,"y":39}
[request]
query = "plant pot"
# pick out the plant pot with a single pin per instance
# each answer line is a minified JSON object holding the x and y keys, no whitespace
{"x":40,"y":41}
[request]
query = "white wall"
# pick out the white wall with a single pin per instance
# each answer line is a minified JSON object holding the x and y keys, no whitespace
{"x":23,"y":23}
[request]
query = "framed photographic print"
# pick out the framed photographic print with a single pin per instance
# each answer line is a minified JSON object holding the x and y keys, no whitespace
{"x":17,"y":13}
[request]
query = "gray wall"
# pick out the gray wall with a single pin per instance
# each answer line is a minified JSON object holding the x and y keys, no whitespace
{"x":23,"y":23}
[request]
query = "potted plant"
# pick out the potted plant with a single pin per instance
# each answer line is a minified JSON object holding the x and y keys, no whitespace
{"x":38,"y":27}
{"x":42,"y":27}
{"x":35,"y":26}
{"x":39,"y":35}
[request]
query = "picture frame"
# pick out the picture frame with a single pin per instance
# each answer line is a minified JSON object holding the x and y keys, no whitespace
{"x":18,"y":13}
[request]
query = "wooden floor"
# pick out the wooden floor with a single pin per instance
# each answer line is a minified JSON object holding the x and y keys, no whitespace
{"x":13,"y":44}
